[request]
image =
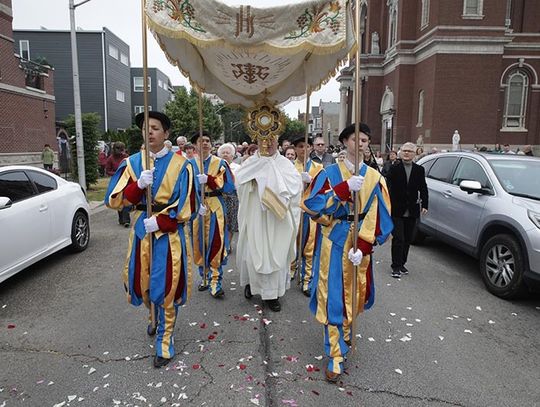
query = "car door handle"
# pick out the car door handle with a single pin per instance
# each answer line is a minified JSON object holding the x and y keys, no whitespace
{"x":43,"y":208}
{"x":447,"y":194}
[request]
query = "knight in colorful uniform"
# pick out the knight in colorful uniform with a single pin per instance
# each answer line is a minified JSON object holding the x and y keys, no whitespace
{"x":330,"y":195}
{"x":174,"y":202}
{"x":216,"y":178}
{"x":310,"y":228}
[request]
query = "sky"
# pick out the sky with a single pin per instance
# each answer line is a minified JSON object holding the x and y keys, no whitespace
{"x":123,"y":18}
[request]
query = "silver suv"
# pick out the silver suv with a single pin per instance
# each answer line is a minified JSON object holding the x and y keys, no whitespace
{"x":487,"y":205}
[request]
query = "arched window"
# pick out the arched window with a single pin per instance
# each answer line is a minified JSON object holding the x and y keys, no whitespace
{"x":473,"y":7}
{"x":420,"y":121}
{"x":392,"y":22}
{"x":515,"y":106}
{"x":424,"y":21}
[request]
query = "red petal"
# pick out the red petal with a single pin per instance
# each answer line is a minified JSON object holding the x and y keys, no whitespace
{"x":315,"y":392}
{"x":242,"y":366}
{"x":10,"y":326}
{"x":202,"y":325}
{"x":210,"y":337}
{"x":196,"y":366}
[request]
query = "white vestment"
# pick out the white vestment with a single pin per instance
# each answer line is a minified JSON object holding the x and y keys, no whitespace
{"x":269,"y":192}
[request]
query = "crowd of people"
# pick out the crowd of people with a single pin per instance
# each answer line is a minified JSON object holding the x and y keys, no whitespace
{"x":293,"y":206}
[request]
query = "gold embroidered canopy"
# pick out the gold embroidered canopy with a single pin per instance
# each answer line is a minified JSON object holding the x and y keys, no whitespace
{"x":244,"y":54}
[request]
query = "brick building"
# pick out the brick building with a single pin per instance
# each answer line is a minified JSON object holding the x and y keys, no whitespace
{"x":429,"y":67}
{"x":27,"y":102}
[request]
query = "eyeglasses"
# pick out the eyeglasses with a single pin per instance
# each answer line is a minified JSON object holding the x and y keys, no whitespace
{"x":407,"y":151}
{"x":319,"y":144}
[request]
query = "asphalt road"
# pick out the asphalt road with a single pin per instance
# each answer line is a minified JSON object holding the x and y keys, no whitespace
{"x":433,"y":338}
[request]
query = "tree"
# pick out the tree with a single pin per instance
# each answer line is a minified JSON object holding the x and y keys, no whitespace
{"x":184,"y":114}
{"x":293,"y":129}
{"x":90,"y":124}
{"x":233,"y":124}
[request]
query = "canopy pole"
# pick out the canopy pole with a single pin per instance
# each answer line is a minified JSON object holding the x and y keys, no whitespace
{"x":301,"y":227}
{"x":357,"y":118}
{"x":146,"y":131}
{"x":201,"y":161}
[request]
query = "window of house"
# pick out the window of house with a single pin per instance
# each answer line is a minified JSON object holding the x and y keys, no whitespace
{"x":24,"y":47}
{"x":473,"y":8}
{"x":424,"y":22}
{"x":120,"y":96}
{"x":113,"y":51}
{"x":124,"y":59}
{"x":160,"y":83}
{"x":515,"y":106}
{"x":140,"y":109}
{"x":393,"y":20}
{"x":138,"y":85}
{"x":420,"y":121}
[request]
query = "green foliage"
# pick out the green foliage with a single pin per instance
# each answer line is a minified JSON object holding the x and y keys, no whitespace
{"x":293,"y":128}
{"x":184,"y":114}
{"x":113,"y":136}
{"x":134,"y":140}
{"x":233,"y":124}
{"x":90,"y":124}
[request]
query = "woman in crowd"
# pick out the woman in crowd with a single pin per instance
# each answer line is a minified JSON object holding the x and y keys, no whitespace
{"x":227,"y":152}
{"x":113,"y":162}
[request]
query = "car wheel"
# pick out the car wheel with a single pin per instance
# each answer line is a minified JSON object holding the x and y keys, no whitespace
{"x":80,"y":232}
{"x":502,"y":267}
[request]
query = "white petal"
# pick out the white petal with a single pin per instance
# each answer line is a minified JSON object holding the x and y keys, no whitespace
{"x":398,"y":371}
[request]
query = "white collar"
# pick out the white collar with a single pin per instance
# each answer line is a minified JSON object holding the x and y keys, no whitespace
{"x":350,"y":165}
{"x":160,"y":154}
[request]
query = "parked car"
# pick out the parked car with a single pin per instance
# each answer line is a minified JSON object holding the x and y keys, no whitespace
{"x":487,"y":205}
{"x":40,"y":213}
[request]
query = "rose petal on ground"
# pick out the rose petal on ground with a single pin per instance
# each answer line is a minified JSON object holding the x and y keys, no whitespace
{"x":71,"y":398}
{"x":398,"y":371}
{"x":318,"y":357}
{"x":196,"y":366}
{"x":11,"y":326}
{"x":241,"y":366}
{"x":479,"y":308}
{"x":441,"y":337}
{"x":92,"y":370}
{"x":255,"y":401}
{"x":491,"y":322}
{"x":371,"y":339}
{"x":315,"y":392}
{"x":467,"y":331}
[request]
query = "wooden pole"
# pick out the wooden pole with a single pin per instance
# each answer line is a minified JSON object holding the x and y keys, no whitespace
{"x":357,"y":118}
{"x":201,"y":160}
{"x":301,"y":227}
{"x":146,"y":131}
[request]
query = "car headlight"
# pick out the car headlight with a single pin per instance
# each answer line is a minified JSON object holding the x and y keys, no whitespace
{"x":534,"y":217}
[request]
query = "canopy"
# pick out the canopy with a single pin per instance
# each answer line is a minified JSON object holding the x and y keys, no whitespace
{"x":244,"y":54}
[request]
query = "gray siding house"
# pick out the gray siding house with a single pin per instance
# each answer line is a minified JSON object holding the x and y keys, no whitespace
{"x":159,"y":87}
{"x":104,"y":72}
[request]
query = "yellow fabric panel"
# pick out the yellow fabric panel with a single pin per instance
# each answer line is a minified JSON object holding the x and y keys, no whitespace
{"x":185,"y":212}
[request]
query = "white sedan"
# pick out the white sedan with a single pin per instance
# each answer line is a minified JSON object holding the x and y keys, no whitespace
{"x":40,"y":213}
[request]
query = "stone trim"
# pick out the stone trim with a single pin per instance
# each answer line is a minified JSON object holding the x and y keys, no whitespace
{"x":6,"y":10}
{"x":37,"y":93}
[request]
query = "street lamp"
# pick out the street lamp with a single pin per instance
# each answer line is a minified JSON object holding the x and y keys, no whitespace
{"x":77,"y":95}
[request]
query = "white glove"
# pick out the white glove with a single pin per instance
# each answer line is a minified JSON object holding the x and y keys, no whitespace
{"x":306,"y":178}
{"x":146,"y":179}
{"x":355,"y":257}
{"x":151,"y":225}
{"x":202,"y":210}
{"x":202,"y":178}
{"x":355,"y":183}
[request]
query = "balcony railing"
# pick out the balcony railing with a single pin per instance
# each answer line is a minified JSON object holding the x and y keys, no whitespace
{"x":34,"y":73}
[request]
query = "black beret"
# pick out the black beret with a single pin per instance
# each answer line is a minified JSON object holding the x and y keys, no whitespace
{"x":195,"y":136}
{"x":301,"y":139}
{"x":165,"y":121}
{"x":347,"y":131}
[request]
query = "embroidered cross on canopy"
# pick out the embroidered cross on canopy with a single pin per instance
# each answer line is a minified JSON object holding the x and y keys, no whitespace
{"x":244,"y":54}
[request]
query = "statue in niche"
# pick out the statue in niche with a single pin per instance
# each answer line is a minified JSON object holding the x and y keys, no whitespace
{"x":375,"y":49}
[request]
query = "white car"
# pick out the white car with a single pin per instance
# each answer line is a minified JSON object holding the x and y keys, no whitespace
{"x":40,"y":213}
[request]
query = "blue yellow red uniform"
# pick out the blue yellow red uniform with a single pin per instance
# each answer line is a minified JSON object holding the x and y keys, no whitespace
{"x":168,"y":284}
{"x":310,"y":229}
{"x":216,"y":236}
{"x":331,"y":295}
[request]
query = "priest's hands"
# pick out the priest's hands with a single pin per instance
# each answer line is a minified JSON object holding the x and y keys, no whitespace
{"x":150,"y":224}
{"x":146,"y":179}
{"x":202,"y":210}
{"x":355,"y":183}
{"x":202,"y":178}
{"x":355,"y":257}
{"x":306,"y":178}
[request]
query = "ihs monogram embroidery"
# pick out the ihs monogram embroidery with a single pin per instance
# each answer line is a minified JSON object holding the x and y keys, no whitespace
{"x":245,"y":21}
{"x":250,"y":72}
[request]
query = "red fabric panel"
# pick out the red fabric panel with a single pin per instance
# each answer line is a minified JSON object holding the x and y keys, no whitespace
{"x":216,"y":243}
{"x":168,"y":273}
{"x":166,"y":224}
{"x":181,"y":281}
{"x":132,"y":193}
{"x":137,"y":274}
{"x":365,"y":247}
{"x":211,"y":182}
{"x":342,"y":191}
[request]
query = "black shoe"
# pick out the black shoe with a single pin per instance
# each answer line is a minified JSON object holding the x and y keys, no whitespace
{"x":247,"y":292}
{"x":403,"y":270}
{"x":307,"y":293}
{"x":396,"y":273}
{"x":127,"y":225}
{"x":202,"y":287}
{"x":274,"y":305}
{"x":160,"y":362}
{"x":150,"y":330}
{"x":219,"y":293}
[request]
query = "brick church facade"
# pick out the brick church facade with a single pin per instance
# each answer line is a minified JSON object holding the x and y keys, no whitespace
{"x":430,"y":67}
{"x":27,"y":103}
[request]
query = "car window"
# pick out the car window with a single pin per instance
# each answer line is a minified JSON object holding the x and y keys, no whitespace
{"x":470,"y":170}
{"x":427,"y":165}
{"x":519,"y":177}
{"x":16,"y":186}
{"x":442,"y":168}
{"x":43,"y":182}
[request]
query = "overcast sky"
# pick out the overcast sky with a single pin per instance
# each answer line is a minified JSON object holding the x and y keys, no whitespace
{"x":123,"y":18}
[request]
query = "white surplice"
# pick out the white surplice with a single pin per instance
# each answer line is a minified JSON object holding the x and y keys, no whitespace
{"x":266,"y":243}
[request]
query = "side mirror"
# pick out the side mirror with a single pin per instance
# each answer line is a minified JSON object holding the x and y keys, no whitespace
{"x":5,"y":202}
{"x":471,"y":187}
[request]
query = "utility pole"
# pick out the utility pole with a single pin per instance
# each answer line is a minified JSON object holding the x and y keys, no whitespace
{"x":77,"y":96}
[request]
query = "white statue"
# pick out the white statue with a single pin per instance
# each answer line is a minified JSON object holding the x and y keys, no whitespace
{"x":455,"y":141}
{"x":375,"y":49}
